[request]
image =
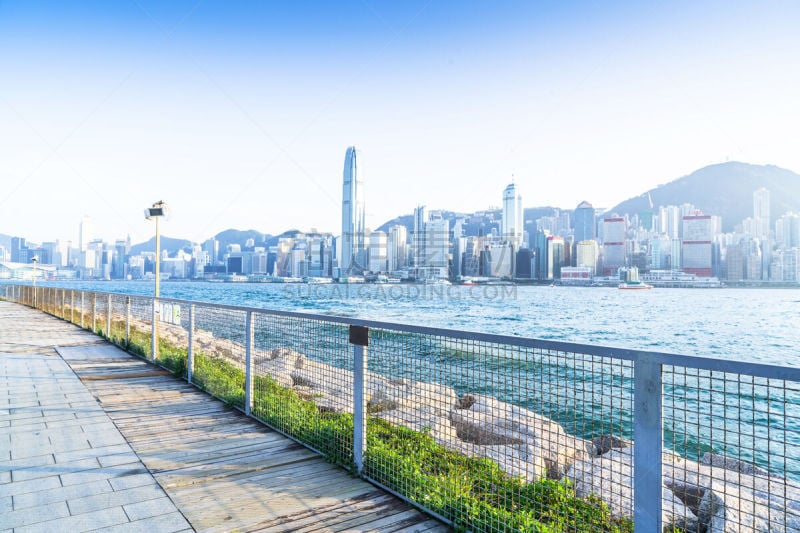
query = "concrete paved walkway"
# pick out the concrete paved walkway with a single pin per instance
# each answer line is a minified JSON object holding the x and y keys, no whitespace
{"x":92,"y":438}
{"x":63,"y":463}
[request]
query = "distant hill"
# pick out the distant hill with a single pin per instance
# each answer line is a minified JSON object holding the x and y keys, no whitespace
{"x":167,"y":243}
{"x":726,"y":190}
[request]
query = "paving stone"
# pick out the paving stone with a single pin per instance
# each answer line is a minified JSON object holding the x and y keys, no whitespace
{"x":106,"y":500}
{"x":34,"y":515}
{"x":131,"y":481}
{"x":97,"y":520}
{"x":166,"y":523}
{"x":60,"y":494}
{"x":150,"y":508}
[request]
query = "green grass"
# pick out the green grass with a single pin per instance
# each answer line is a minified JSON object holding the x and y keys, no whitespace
{"x":474,"y":493}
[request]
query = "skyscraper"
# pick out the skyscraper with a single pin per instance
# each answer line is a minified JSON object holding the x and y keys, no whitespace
{"x":353,"y":238}
{"x":86,"y":232}
{"x":614,"y":252}
{"x":761,"y":214}
{"x":698,"y":234}
{"x":512,"y":223}
{"x":585,"y":222}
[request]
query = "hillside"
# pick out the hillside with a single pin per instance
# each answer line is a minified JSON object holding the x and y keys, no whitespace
{"x":726,"y":190}
{"x":167,"y":243}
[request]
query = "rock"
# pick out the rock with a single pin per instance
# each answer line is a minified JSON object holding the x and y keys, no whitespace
{"x":386,"y":394}
{"x":605,"y":443}
{"x":279,"y":363}
{"x":424,"y":419}
{"x":516,"y":460}
{"x":486,"y":421}
{"x":729,"y":463}
{"x":610,"y":478}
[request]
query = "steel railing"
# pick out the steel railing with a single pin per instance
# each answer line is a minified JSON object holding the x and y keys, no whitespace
{"x":488,"y":432}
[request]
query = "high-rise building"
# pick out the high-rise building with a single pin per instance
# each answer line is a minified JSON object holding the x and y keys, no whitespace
{"x":86,"y":233}
{"x":697,"y":250}
{"x":418,"y":238}
{"x":431,"y":244}
{"x":378,"y":243}
{"x":787,"y":230}
{"x":661,"y":252}
{"x":512,"y":223}
{"x":397,"y":248}
{"x":555,"y":257}
{"x":353,"y":239}
{"x":586,"y":255}
{"x":761,"y":212}
{"x":669,"y":221}
{"x":19,"y":250}
{"x":211,"y":247}
{"x":614,"y":250}
{"x":584,"y":222}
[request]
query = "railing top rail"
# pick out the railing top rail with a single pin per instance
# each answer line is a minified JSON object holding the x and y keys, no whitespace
{"x":713,"y":364}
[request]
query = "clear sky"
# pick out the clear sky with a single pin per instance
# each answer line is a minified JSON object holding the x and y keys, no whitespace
{"x":238,"y":114}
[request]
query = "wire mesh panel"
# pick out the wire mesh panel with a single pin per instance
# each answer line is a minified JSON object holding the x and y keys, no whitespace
{"x":497,"y":437}
{"x":219,"y":352}
{"x":100,"y":313}
{"x":141,"y":320}
{"x":303,"y":382}
{"x":118,"y":319}
{"x":736,"y":439}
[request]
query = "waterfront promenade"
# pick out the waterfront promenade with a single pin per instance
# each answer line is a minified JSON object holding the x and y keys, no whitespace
{"x":94,"y":438}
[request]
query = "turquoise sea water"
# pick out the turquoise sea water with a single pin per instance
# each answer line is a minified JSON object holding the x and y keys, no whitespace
{"x":761,"y":325}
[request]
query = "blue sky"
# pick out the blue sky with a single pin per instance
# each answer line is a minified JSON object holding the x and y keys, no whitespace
{"x":238,"y":114}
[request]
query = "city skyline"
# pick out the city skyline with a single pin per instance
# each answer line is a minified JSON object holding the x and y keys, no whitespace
{"x":221,"y":110}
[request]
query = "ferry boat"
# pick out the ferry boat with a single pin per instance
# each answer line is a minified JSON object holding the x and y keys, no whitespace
{"x":631,"y":280}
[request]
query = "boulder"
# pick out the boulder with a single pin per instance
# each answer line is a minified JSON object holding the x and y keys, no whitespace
{"x":486,"y":421}
{"x":610,"y":478}
{"x":279,"y":363}
{"x":729,"y":463}
{"x":385,"y":394}
{"x":605,"y":443}
{"x":424,"y":419}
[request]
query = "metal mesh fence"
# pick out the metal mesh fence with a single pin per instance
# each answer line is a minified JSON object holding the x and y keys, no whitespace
{"x":140,"y":326}
{"x":735,"y":450}
{"x":488,"y":434}
{"x":493,"y":433}
{"x":219,"y":353}
{"x":303,"y":382}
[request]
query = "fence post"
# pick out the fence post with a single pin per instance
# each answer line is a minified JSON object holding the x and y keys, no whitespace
{"x":648,"y":440}
{"x":108,"y":317}
{"x":248,"y":361}
{"x":83,"y":298}
{"x":359,"y":338}
{"x":190,"y":350}
{"x":127,"y":322}
{"x":72,"y":305}
{"x":154,"y":332}
{"x":94,"y":312}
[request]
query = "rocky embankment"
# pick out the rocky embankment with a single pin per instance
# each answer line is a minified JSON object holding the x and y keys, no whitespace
{"x":715,"y":494}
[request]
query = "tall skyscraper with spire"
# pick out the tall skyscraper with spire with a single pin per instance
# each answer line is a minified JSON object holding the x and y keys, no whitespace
{"x":512,"y":223}
{"x":353,"y":240}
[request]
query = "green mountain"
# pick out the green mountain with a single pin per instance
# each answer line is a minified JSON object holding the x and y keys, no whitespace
{"x":726,"y":190}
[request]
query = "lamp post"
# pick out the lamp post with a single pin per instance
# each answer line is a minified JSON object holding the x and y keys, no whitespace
{"x":34,"y":260}
{"x":158,"y":210}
